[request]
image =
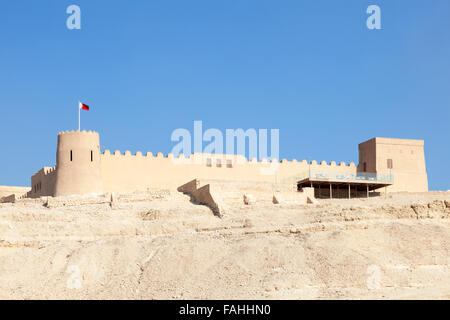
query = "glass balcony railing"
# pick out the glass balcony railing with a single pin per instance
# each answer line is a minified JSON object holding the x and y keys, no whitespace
{"x":342,"y":176}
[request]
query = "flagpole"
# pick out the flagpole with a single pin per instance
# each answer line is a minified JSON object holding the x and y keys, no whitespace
{"x":79,"y":115}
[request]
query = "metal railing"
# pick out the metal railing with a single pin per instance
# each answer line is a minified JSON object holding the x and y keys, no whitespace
{"x":342,"y":176}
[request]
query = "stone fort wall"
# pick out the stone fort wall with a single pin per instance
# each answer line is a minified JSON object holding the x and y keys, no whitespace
{"x":124,"y":172}
{"x":82,"y":169}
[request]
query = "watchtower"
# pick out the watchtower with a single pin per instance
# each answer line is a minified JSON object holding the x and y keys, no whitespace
{"x":78,"y":163}
{"x":404,"y":159}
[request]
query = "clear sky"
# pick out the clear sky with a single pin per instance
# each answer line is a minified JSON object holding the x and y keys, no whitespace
{"x":311,"y":69}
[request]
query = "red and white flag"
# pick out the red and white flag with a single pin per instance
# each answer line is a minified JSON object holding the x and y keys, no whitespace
{"x":83,"y":106}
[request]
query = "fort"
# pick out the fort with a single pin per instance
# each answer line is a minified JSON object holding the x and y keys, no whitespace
{"x":391,"y":165}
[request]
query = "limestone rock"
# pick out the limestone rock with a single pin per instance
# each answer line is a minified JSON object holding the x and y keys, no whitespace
{"x":8,"y":199}
{"x":247,"y":223}
{"x":431,"y":210}
{"x":249,"y":199}
{"x":277,"y":199}
{"x":420,"y":210}
{"x":437,"y":206}
{"x":152,"y":214}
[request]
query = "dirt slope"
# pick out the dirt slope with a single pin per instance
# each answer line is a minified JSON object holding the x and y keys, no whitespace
{"x":159,"y":245}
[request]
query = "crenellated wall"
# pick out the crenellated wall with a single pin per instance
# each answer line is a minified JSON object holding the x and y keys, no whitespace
{"x":43,"y":183}
{"x":82,"y":169}
{"x":124,"y":172}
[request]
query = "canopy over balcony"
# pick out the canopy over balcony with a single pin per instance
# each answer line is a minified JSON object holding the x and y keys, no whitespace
{"x":329,"y":181}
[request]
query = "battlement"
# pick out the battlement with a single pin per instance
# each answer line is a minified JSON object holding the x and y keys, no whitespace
{"x":45,"y":171}
{"x":324,"y":163}
{"x":77,"y":132}
{"x":49,"y":170}
{"x":205,"y":157}
{"x":138,"y":154}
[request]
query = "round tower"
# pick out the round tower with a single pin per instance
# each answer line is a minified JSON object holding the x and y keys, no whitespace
{"x":78,"y":164}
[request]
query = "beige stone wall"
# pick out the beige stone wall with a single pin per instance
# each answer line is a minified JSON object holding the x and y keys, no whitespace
{"x":408,"y":162}
{"x":408,"y":159}
{"x":43,"y":183}
{"x":78,"y":163}
{"x":82,"y":169}
{"x":367,"y":156}
{"x":125,"y":172}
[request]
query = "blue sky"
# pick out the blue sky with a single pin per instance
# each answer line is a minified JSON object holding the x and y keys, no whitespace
{"x":309,"y":68}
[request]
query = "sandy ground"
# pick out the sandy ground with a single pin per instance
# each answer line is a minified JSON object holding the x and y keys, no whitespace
{"x":159,"y":245}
